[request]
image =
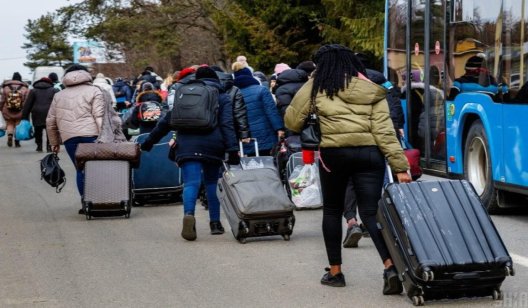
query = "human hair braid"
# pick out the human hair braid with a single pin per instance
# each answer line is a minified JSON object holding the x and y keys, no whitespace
{"x":335,"y":69}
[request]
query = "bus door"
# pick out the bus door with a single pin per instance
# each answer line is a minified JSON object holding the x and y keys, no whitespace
{"x":426,"y":91}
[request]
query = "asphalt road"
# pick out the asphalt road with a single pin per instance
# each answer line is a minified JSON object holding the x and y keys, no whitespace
{"x":52,"y":257}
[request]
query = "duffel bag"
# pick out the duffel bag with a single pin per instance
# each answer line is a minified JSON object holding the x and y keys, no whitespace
{"x":107,"y":151}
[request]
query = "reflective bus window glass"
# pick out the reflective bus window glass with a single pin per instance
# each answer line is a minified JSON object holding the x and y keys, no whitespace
{"x":476,"y":39}
{"x":513,"y":68}
{"x":396,"y":55}
{"x":436,"y":87}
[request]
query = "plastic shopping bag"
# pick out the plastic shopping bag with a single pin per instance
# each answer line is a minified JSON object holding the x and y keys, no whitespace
{"x":2,"y":133}
{"x":24,"y":131}
{"x":305,"y":187}
{"x":3,"y":125}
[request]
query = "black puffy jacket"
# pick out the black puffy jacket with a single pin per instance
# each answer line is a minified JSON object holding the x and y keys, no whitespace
{"x":288,"y":83}
{"x":239,"y":106}
{"x":393,"y":98}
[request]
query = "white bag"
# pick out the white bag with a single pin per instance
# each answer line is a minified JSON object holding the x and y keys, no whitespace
{"x":3,"y":124}
{"x":305,"y":187}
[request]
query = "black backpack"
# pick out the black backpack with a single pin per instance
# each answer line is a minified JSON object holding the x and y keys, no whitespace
{"x":52,"y":173}
{"x":195,"y":107}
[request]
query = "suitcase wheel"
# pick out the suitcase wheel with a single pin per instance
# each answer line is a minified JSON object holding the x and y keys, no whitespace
{"x":127,"y":208}
{"x":242,"y":240}
{"x":245,"y":227}
{"x":497,"y":295}
{"x":418,"y":300}
{"x":428,"y":275}
{"x":286,"y":237}
{"x":509,"y":271}
{"x":87,"y":210}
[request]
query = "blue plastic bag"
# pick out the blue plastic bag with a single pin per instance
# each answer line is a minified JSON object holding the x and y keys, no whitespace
{"x":2,"y":133}
{"x":24,"y":131}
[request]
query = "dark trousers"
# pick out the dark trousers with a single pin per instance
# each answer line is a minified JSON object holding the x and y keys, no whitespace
{"x":71,"y":146}
{"x":364,"y":167}
{"x":39,"y":130}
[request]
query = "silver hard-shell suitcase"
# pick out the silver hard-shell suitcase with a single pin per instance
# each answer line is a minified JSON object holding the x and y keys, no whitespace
{"x":107,"y":188}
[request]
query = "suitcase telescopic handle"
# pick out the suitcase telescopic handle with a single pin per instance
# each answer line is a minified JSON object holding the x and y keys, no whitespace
{"x":241,"y":146}
{"x":389,"y":172}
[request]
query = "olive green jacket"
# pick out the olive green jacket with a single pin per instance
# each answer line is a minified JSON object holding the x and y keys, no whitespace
{"x":357,"y":116}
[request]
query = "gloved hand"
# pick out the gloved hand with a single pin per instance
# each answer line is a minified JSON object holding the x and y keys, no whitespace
{"x":233,"y":158}
{"x":146,"y":146}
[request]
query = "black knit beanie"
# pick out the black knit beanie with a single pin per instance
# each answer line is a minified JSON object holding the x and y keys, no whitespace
{"x":17,"y":76}
{"x":54,"y":78}
{"x":206,"y":72}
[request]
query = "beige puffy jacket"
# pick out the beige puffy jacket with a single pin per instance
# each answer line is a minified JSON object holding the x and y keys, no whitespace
{"x":357,"y":116}
{"x":76,"y":111}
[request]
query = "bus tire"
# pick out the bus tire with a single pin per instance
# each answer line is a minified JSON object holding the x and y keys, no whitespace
{"x":477,"y":166}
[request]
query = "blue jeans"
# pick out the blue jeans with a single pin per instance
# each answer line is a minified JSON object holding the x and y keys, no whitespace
{"x":71,"y":147}
{"x":192,"y":179}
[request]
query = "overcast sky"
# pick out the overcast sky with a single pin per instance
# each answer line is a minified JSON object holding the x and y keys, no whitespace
{"x":13,"y":18}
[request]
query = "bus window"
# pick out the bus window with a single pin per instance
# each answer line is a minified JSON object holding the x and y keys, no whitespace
{"x":513,"y":65}
{"x":476,"y":39}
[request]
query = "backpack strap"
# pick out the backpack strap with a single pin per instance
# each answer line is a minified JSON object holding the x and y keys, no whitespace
{"x":10,"y":86}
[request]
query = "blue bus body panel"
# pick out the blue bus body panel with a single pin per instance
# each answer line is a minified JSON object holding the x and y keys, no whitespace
{"x":507,"y":142}
{"x":515,"y":136}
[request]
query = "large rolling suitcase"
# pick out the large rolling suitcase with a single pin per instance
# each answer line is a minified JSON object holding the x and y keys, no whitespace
{"x":107,"y":188}
{"x":442,"y":241}
{"x":157,"y":179}
{"x":255,"y":203}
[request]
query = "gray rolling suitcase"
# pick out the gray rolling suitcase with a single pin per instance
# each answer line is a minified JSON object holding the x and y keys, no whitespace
{"x":255,"y":203}
{"x":107,"y":188}
{"x":442,"y":241}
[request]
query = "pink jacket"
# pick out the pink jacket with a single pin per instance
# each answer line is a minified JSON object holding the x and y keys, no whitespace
{"x":76,"y":111}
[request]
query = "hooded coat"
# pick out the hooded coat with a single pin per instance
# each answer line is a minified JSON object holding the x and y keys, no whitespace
{"x":76,"y":111}
{"x":357,"y":116}
{"x":38,"y":102}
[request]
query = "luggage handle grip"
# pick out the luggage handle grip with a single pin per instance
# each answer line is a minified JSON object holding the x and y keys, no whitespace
{"x":241,"y":146}
{"x":463,"y":276}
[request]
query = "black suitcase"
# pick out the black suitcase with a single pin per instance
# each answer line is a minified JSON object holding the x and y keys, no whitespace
{"x":255,"y":203}
{"x":157,"y":179}
{"x":442,"y":241}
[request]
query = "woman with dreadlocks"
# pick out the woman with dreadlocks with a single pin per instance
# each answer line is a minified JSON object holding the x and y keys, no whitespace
{"x":357,"y":136}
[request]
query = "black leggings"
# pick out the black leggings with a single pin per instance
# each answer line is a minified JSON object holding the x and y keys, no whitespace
{"x":365,"y":167}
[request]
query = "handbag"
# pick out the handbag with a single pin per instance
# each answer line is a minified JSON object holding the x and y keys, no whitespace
{"x":413,"y":157}
{"x":52,"y":173}
{"x":107,"y":151}
{"x":311,"y":132}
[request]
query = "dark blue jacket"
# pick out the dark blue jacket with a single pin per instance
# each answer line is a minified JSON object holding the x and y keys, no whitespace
{"x":263,"y":116}
{"x":121,"y":86}
{"x":210,"y":147}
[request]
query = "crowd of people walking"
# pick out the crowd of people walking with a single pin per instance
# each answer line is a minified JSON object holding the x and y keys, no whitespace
{"x":359,"y":128}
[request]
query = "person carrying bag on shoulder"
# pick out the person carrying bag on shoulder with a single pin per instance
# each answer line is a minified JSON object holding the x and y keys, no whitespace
{"x":356,"y":136}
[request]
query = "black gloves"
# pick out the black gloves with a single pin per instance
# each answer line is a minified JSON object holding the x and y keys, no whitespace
{"x":146,"y":146}
{"x":233,"y":158}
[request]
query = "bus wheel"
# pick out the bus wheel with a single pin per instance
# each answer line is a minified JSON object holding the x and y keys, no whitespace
{"x":477,"y":166}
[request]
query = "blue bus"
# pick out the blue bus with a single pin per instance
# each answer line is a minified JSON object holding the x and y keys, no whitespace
{"x":462,"y":67}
